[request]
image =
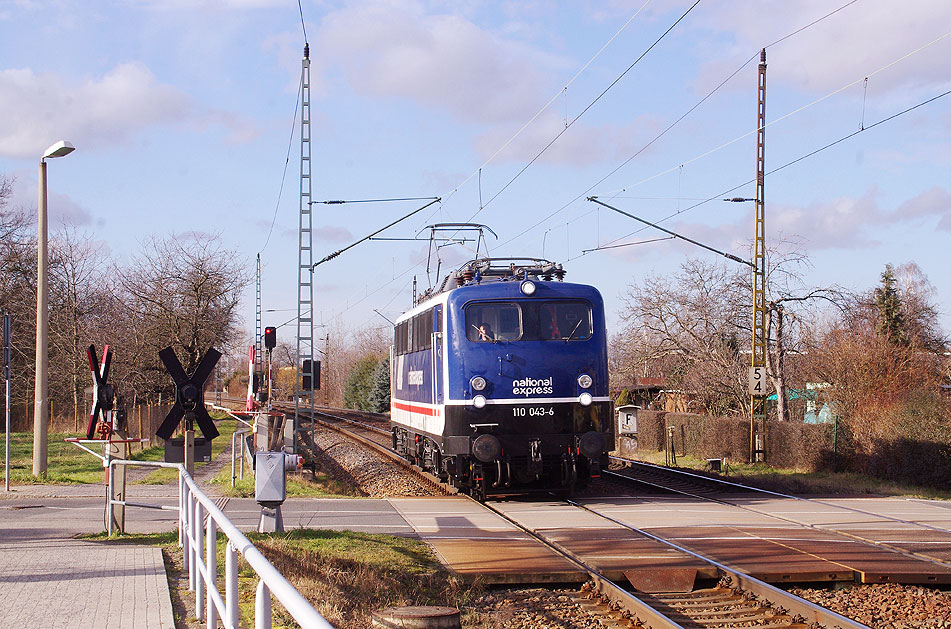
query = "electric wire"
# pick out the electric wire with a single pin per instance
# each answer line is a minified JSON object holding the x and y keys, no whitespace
{"x":287,"y":160}
{"x":565,"y":206}
{"x":548,"y":104}
{"x":303,"y":28}
{"x":589,"y":106}
{"x":636,"y":154}
{"x":787,"y":115}
{"x":615,"y":193}
{"x":782,"y":167}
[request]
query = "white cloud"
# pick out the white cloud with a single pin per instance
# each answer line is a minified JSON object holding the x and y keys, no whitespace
{"x":441,"y":61}
{"x":40,"y":108}
{"x":843,"y":223}
{"x":932,"y":203}
{"x":842,"y":48}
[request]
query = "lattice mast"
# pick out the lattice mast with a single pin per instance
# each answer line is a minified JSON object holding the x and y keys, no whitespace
{"x":305,"y":259}
{"x":258,"y":364}
{"x":758,"y":402}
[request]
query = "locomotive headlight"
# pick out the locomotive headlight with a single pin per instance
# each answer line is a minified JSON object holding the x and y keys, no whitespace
{"x":591,"y":445}
{"x":486,"y":448}
{"x":585,"y":381}
{"x":585,"y":399}
{"x":479,"y":401}
{"x":528,"y":288}
{"x":477,"y":383}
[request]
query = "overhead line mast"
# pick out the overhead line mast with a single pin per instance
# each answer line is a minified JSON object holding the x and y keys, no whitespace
{"x":305,"y":263}
{"x":758,"y":371}
{"x":257,"y":321}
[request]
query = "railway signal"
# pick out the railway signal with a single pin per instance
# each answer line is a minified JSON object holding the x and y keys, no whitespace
{"x":189,"y":392}
{"x":310,"y":375}
{"x":103,"y":394}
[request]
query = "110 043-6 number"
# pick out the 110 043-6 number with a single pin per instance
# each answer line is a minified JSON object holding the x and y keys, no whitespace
{"x":533,"y":411}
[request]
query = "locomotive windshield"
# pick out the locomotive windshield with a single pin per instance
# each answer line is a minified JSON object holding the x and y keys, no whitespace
{"x":563,"y":320}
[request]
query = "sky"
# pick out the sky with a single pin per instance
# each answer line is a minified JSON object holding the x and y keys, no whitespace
{"x":183,"y":116}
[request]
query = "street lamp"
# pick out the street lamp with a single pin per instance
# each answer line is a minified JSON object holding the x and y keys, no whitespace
{"x":41,"y":406}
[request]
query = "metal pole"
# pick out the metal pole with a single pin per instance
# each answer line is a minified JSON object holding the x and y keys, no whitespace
{"x":6,"y":376}
{"x":211,"y":563}
{"x":40,"y":407}
{"x":759,"y":349}
{"x":231,"y":586}
{"x":112,"y":520}
{"x":199,"y":547}
{"x":262,"y":606}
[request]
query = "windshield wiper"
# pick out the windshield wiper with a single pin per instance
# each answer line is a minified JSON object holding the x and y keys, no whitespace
{"x":572,"y":333}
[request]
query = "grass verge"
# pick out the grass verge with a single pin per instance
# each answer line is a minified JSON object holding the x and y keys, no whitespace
{"x":345,"y":575}
{"x":302,"y":485}
{"x":801,"y":482}
{"x":66,"y":464}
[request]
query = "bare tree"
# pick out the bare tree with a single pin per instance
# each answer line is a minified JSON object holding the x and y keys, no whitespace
{"x":182,"y":291}
{"x":78,"y":294}
{"x":692,"y":325}
{"x":18,"y":296}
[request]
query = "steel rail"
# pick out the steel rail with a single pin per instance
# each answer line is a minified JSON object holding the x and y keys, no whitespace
{"x":605,"y":586}
{"x":672,"y":472}
{"x":765,"y":591}
{"x":779,"y":494}
{"x":393,"y":456}
{"x":610,"y":589}
{"x":644,"y":612}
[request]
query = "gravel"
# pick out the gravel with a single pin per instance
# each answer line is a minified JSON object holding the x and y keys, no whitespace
{"x":350,"y":462}
{"x":886,"y":606}
{"x":533,"y":608}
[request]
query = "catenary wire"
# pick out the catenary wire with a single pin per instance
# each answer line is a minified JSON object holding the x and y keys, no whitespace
{"x":787,"y":115}
{"x":548,"y":104}
{"x":669,"y":170}
{"x":589,"y":106}
{"x":781,"y":39}
{"x":287,"y":160}
{"x":303,"y":28}
{"x":778,"y":168}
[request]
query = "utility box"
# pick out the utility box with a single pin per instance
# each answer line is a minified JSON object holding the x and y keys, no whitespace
{"x":269,"y":478}
{"x":627,"y":419}
{"x":626,"y":442}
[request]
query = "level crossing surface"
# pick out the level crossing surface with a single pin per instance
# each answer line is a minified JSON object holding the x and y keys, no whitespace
{"x":55,"y":578}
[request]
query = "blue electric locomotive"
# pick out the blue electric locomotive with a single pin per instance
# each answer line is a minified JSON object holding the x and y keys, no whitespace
{"x":500,"y":380}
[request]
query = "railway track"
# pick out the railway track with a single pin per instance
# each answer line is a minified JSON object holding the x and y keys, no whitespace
{"x":367,"y":429}
{"x":736,"y":600}
{"x":725,"y":492}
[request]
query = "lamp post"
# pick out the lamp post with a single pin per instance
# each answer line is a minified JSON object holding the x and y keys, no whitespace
{"x":41,"y":393}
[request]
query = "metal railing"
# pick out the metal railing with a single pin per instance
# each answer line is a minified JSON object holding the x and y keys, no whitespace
{"x":199,"y":522}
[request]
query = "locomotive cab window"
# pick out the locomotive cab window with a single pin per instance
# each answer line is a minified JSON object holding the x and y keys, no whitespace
{"x":493,"y":322}
{"x":557,"y":321}
{"x":529,"y":321}
{"x":415,"y":334}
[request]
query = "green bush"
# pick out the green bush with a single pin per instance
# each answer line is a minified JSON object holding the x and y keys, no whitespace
{"x":356,"y":394}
